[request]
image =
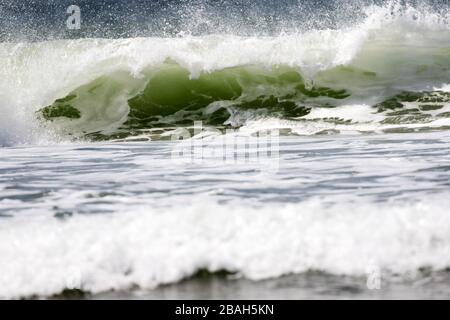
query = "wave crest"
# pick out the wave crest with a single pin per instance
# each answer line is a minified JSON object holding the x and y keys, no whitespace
{"x":126,"y":84}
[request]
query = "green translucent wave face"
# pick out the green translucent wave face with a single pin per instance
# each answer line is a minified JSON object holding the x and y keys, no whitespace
{"x":414,"y":107}
{"x":167,"y":96}
{"x":62,"y":108}
{"x":171,"y":90}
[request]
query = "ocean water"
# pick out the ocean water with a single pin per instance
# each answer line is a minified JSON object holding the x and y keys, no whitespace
{"x":300,"y":150}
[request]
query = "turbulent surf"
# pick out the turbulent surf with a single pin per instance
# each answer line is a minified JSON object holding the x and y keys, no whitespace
{"x":389,"y":72}
{"x":96,"y":197}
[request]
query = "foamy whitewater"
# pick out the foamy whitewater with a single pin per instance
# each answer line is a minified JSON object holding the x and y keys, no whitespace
{"x":91,"y":197}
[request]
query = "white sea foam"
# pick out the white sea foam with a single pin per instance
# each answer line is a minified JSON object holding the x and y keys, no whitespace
{"x":108,"y":216}
{"x":147,"y":247}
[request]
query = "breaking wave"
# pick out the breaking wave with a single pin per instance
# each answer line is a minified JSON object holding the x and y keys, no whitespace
{"x":387,"y":73}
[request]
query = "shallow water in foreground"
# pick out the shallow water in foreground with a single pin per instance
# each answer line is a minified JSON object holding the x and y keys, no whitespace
{"x":295,"y":287}
{"x":116,"y":216}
